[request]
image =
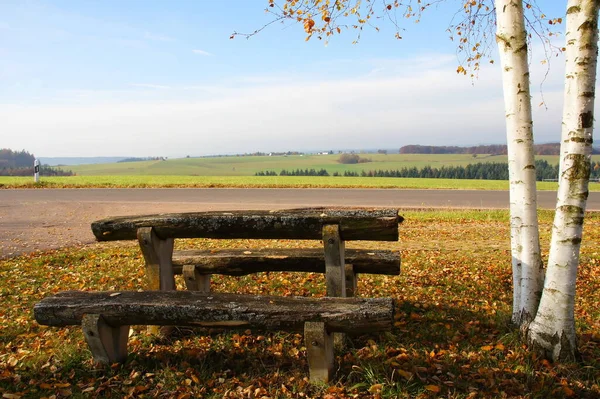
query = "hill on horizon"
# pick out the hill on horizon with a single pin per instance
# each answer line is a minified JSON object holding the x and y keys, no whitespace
{"x":69,"y":161}
{"x":493,"y":149}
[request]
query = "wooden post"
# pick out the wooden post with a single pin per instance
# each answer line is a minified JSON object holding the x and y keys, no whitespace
{"x":158,"y":255}
{"x":351,"y":281}
{"x":335,"y":270}
{"x":319,"y":351}
{"x":194,"y":281}
{"x":335,"y":267}
{"x":108,"y":344}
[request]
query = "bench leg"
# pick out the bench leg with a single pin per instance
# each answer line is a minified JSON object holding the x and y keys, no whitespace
{"x":108,"y":344}
{"x":319,"y":351}
{"x":351,"y":282}
{"x":335,"y":270}
{"x":194,"y":281}
{"x":158,"y":254}
{"x":334,"y":261}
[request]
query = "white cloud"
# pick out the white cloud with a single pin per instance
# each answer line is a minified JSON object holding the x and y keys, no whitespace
{"x":202,"y":52}
{"x":429,"y":104}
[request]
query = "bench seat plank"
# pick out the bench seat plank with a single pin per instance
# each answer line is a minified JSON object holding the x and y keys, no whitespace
{"x":355,"y":224}
{"x":240,"y":262}
{"x":192,"y":308}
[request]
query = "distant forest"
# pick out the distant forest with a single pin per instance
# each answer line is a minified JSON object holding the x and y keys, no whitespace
{"x":20,"y":163}
{"x":135,"y":159}
{"x":497,"y":149}
{"x":15,"y":159}
{"x":483,"y":171}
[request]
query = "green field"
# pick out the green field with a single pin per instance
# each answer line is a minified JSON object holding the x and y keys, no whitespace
{"x":249,"y":165}
{"x":142,"y":181}
{"x":239,"y":172}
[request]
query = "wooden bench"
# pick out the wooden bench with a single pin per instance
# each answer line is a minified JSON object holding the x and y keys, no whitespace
{"x":104,"y":316}
{"x":156,"y":234}
{"x":240,"y":262}
{"x":198,"y":265}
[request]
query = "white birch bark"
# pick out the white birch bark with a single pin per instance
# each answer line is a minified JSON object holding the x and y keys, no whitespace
{"x":525,"y":244}
{"x":553,"y":330}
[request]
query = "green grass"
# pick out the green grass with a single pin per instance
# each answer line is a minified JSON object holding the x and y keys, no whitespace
{"x":451,"y":333}
{"x":248,"y":166}
{"x":262,"y":182}
{"x":239,"y":172}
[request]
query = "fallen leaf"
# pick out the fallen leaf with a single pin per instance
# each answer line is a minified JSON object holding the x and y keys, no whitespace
{"x":405,"y":374}
{"x":375,"y":388}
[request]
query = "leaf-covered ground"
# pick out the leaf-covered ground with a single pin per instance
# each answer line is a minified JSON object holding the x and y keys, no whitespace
{"x":452,"y":336}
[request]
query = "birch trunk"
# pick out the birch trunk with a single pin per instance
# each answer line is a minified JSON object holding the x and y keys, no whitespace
{"x":525,"y":244}
{"x":553,"y":330}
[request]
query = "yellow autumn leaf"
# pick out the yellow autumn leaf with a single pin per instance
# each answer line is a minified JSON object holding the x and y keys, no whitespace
{"x":433,"y":388}
{"x":376,"y":388}
{"x":62,"y":385}
{"x":308,"y":25}
{"x":405,"y":374}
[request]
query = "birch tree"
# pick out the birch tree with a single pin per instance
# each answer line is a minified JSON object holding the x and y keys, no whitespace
{"x":553,"y":330}
{"x":549,"y":324}
{"x":527,"y":266}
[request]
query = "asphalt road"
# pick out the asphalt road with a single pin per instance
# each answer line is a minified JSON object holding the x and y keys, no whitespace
{"x":52,"y":218}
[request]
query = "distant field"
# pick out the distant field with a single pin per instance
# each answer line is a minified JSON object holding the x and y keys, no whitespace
{"x":248,"y":166}
{"x":240,"y":171}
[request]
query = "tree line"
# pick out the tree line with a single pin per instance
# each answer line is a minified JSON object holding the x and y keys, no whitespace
{"x":476,"y":171}
{"x":137,"y":159}
{"x":20,"y":163}
{"x":297,"y":172}
{"x":45,"y":170}
{"x":496,"y":149}
{"x":15,"y":159}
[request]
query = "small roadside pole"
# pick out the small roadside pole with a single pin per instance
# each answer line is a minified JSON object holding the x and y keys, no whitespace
{"x":36,"y":170}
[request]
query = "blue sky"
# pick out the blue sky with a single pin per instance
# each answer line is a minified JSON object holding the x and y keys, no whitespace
{"x":163,"y":78}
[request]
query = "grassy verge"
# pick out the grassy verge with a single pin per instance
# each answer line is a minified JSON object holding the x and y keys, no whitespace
{"x":261,"y":182}
{"x":452,"y":337}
